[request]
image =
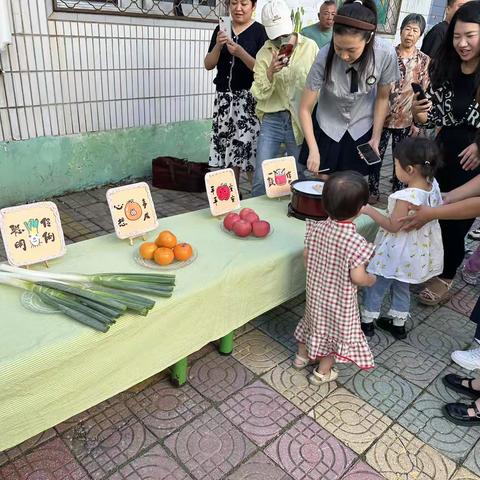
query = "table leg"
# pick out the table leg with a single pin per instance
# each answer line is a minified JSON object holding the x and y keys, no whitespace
{"x":178,"y":372}
{"x":226,"y":344}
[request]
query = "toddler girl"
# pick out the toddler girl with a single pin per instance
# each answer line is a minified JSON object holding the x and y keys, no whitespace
{"x":402,"y":258}
{"x":335,"y":257}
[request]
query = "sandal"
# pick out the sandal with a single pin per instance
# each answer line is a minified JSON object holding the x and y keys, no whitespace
{"x":458,"y":414}
{"x":436,"y":292}
{"x":318,"y":378}
{"x":301,"y":362}
{"x":454,"y":382}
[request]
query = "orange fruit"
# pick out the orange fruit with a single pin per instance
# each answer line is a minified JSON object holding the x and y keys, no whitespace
{"x":166,"y":239}
{"x":163,"y":256}
{"x":182,"y":251}
{"x":147,"y":250}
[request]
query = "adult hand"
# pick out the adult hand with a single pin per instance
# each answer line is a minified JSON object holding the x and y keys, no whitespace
{"x":420,"y":106}
{"x":418,"y":216}
{"x":313,"y":161}
{"x":235,"y":49}
{"x":469,"y":157}
{"x":275,"y":66}
{"x":374,"y":143}
{"x":222,"y":39}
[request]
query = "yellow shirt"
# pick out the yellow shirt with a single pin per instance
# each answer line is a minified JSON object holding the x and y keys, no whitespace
{"x":285,"y":91}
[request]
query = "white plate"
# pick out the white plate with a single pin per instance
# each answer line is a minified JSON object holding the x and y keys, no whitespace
{"x":31,"y":301}
{"x":175,"y":265}
{"x":249,"y":237}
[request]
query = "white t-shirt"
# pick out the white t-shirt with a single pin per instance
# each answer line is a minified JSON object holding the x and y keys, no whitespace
{"x":415,"y":256}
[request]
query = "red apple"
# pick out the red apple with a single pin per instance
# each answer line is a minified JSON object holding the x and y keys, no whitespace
{"x":245,"y":211}
{"x":261,"y":228}
{"x":251,"y":217}
{"x":230,"y":219}
{"x":242,"y":228}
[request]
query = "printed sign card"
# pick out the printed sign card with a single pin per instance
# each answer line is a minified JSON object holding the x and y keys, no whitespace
{"x":222,"y":191}
{"x":132,"y":209}
{"x":32,"y":233}
{"x":278,"y":174}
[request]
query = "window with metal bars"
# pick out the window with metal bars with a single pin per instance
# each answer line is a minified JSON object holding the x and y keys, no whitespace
{"x":388,"y":13}
{"x":200,"y":10}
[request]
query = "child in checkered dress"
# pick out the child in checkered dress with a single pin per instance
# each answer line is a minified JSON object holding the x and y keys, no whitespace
{"x":335,"y":258}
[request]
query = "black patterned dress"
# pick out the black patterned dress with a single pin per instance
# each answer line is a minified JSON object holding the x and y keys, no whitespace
{"x":235,"y":125}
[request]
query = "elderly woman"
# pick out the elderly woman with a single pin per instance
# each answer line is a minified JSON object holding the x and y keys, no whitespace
{"x":413,"y":66}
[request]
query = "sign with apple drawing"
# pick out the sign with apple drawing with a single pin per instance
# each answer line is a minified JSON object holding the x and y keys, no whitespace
{"x":222,"y":191}
{"x":278,"y":174}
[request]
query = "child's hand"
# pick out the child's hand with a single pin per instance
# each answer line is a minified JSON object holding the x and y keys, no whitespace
{"x":371,"y":280}
{"x":366,"y":209}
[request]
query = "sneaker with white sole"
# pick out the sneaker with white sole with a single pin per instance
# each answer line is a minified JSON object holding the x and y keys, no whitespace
{"x":474,"y":234}
{"x":468,"y":359}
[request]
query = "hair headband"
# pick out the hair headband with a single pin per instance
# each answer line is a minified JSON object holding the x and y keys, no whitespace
{"x":353,"y":22}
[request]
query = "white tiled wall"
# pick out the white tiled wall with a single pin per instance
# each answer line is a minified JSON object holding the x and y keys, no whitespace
{"x":70,"y":73}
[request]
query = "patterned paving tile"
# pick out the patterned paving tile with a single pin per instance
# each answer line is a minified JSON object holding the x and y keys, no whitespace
{"x":244,"y":329}
{"x":270,"y":315}
{"x":25,"y":446}
{"x":345,"y":372}
{"x":379,"y":342}
{"x":259,"y":467}
{"x":464,"y":301}
{"x":299,"y":309}
{"x":210,"y":446}
{"x":473,"y":460}
{"x":425,"y":419}
{"x":411,"y":363}
{"x":452,"y":323}
{"x":293,"y":384}
{"x":108,"y":440}
{"x":350,"y":419}
{"x":282,"y":328}
{"x":192,"y":358}
{"x":439,"y":390}
{"x":464,"y":474}
{"x":384,"y":390}
{"x":362,"y":471}
{"x":216,"y":376}
{"x":51,"y":461}
{"x":259,"y":352}
{"x":164,"y":408}
{"x":259,"y":411}
{"x":307,"y":451}
{"x":399,"y":455}
{"x":155,"y":464}
{"x":295,"y":301}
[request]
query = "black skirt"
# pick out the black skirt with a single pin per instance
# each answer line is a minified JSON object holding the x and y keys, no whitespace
{"x":337,"y":156}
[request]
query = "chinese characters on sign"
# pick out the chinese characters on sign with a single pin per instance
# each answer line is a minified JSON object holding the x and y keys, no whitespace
{"x":32,"y":233}
{"x":222,"y":191}
{"x":132,"y":209}
{"x":278,"y":174}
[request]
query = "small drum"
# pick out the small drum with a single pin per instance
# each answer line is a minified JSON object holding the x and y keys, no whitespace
{"x":306,"y":200}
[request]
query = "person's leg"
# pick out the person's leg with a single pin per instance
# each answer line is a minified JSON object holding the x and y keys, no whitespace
{"x":324,"y":373}
{"x":374,"y":175}
{"x":268,"y":146}
{"x":398,"y":134}
{"x":372,"y":303}
{"x":453,"y":237}
{"x":471,"y":268}
{"x":399,"y":310}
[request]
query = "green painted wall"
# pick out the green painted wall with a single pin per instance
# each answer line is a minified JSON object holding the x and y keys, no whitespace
{"x":43,"y":167}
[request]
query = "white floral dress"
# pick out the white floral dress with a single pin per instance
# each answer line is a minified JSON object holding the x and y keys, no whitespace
{"x":415,"y":256}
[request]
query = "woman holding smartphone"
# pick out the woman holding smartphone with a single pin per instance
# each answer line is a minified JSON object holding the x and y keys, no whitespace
{"x":351,"y":79}
{"x":452,"y":105}
{"x":235,"y":126}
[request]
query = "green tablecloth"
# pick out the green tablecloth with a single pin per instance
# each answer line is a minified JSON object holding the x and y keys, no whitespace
{"x":52,"y":368}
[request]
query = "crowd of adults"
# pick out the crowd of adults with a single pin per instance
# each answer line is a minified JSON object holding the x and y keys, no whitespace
{"x":343,"y":86}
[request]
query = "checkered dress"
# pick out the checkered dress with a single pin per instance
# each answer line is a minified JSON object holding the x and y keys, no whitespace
{"x":331,"y":323}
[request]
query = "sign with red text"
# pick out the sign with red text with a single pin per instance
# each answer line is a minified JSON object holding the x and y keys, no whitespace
{"x":222,"y":191}
{"x":132,"y":209}
{"x":278,"y":174}
{"x":32,"y":233}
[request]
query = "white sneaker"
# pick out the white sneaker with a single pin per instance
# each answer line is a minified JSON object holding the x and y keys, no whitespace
{"x":468,"y":359}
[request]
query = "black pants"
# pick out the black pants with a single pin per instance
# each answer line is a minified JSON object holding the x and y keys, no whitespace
{"x":475,"y":318}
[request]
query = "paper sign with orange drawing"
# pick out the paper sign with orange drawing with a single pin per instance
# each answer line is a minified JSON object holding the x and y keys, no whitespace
{"x":222,"y":191}
{"x":32,"y":233}
{"x":132,"y":209}
{"x":278,"y":174}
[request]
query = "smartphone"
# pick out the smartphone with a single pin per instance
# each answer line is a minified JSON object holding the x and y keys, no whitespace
{"x":417,"y":88}
{"x":225,"y":26}
{"x":368,"y":154}
{"x":286,"y":50}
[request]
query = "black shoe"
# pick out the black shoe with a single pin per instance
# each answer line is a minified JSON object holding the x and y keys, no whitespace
{"x":387,"y":324}
{"x":454,"y":382}
{"x":458,"y":414}
{"x":368,"y":329}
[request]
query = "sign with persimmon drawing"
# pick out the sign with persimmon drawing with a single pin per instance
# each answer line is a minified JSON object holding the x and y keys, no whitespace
{"x":278,"y":174}
{"x":132,"y":209}
{"x":222,"y":191}
{"x":32,"y":233}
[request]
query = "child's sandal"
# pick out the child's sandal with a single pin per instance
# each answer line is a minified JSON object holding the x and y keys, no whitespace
{"x":301,"y":362}
{"x":318,"y":378}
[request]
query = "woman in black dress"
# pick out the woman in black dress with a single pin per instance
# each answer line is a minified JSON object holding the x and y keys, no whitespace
{"x":235,"y":125}
{"x":452,"y":105}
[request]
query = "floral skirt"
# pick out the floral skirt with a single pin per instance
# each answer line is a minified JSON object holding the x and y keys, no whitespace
{"x":235,"y":131}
